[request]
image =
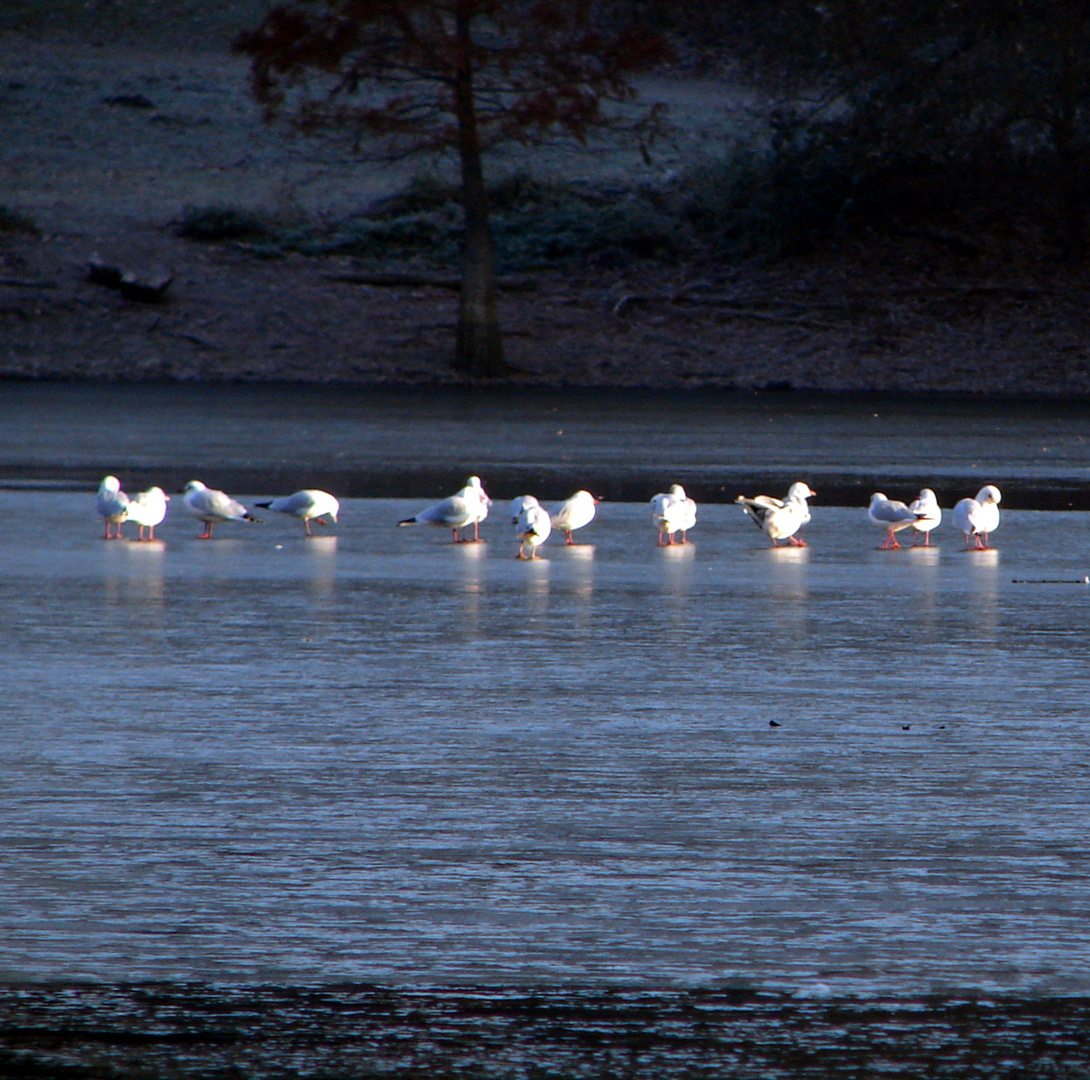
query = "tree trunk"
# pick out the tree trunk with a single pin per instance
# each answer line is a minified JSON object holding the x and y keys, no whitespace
{"x":480,"y":348}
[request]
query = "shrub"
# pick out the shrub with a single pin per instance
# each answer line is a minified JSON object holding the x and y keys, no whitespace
{"x":12,"y":221}
{"x":213,"y":223}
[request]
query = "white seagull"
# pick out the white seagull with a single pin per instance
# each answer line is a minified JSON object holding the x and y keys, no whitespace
{"x":672,"y":512}
{"x":532,"y":527}
{"x":780,"y":520}
{"x":211,"y":506}
{"x":148,"y":509}
{"x":112,"y":505}
{"x":519,"y":503}
{"x":928,"y":516}
{"x":307,"y":505}
{"x":574,"y":513}
{"x":978,"y":517}
{"x":891,"y":515}
{"x":468,"y":507}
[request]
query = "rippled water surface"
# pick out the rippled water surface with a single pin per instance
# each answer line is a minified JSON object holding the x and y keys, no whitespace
{"x":378,"y":756}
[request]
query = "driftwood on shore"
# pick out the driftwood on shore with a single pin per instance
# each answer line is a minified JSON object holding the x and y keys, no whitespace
{"x":148,"y":287}
{"x":432,"y":281}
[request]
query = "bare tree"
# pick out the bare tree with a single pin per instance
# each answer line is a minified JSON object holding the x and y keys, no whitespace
{"x":460,"y":76}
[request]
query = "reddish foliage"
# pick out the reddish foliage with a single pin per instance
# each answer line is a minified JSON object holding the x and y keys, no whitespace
{"x":535,"y":68}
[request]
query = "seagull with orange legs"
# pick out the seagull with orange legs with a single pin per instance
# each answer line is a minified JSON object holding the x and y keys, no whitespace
{"x":672,"y":512}
{"x":147,"y":509}
{"x":574,"y":513}
{"x":978,"y":517}
{"x":467,"y":507}
{"x":211,"y":506}
{"x":928,"y":516}
{"x":112,"y":505}
{"x":532,"y":527}
{"x":780,"y":520}
{"x":307,"y":505}
{"x":891,"y":515}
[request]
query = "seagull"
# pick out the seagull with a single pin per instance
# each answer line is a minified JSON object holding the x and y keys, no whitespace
{"x":519,"y":503}
{"x":780,"y":520}
{"x":211,"y":506}
{"x":112,"y":504}
{"x":468,"y":507}
{"x":574,"y":513}
{"x":891,"y":515}
{"x":532,"y":527}
{"x":928,"y":516}
{"x":673,"y":512}
{"x":978,"y":517}
{"x":147,"y":509}
{"x":307,"y":505}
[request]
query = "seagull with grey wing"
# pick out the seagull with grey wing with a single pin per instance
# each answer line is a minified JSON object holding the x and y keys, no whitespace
{"x":307,"y":505}
{"x":211,"y":506}
{"x":780,"y":519}
{"x":458,"y":511}
{"x":978,"y":517}
{"x":891,"y":515}
{"x":112,"y":505}
{"x":928,"y":516}
{"x":532,"y":526}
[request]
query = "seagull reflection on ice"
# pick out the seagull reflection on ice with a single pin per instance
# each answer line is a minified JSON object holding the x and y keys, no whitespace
{"x":139,"y":573}
{"x":321,"y":554}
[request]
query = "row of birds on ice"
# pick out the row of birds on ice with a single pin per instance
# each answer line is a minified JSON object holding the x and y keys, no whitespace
{"x":672,"y":512}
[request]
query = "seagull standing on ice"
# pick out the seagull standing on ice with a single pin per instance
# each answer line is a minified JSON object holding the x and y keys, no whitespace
{"x":532,"y":527}
{"x":928,"y":516}
{"x":112,"y":505}
{"x":780,"y":520}
{"x":211,"y":506}
{"x":148,"y":509}
{"x":574,"y":513}
{"x":891,"y":515}
{"x":978,"y":517}
{"x":468,"y":507}
{"x":307,"y":505}
{"x":672,"y":512}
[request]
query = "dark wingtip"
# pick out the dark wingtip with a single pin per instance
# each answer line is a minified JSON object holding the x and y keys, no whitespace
{"x":407,"y":521}
{"x":264,"y":506}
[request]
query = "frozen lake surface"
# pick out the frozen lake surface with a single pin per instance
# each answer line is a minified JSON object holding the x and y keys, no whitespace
{"x":378,"y":755}
{"x":503,"y":817}
{"x":624,"y":446}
